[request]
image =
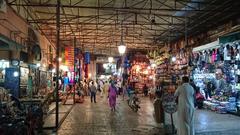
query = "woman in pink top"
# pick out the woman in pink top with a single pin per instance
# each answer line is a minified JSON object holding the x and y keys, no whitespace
{"x":112,"y":95}
{"x":214,"y":55}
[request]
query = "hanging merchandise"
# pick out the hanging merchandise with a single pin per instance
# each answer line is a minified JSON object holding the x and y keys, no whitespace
{"x":87,"y":58}
{"x":86,"y":70}
{"x":218,"y":67}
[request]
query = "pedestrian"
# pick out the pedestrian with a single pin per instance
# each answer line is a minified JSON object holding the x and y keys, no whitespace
{"x":152,"y":92}
{"x":105,"y":89}
{"x":185,"y":97}
{"x":112,"y":95}
{"x":101,"y":84}
{"x":209,"y":89}
{"x":85,"y":88}
{"x":195,"y":91}
{"x":145,"y":90}
{"x":93,"y":91}
{"x":124,"y":92}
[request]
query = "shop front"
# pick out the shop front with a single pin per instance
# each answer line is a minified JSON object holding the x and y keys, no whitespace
{"x":216,"y":72}
{"x":141,"y":73}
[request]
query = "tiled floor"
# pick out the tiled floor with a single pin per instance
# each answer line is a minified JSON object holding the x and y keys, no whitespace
{"x":97,"y":119}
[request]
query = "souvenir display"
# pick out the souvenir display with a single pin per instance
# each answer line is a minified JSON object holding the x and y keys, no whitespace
{"x":218,"y":67}
{"x":141,"y":72}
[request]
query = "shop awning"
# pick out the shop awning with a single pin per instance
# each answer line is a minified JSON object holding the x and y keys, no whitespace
{"x":8,"y":44}
{"x":230,"y":37}
{"x":211,"y":45}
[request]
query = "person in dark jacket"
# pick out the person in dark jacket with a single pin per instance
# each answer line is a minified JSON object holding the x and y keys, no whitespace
{"x":145,"y":90}
{"x":209,"y":89}
{"x":93,"y":91}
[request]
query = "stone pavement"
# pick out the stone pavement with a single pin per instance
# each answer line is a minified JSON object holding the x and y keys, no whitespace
{"x":97,"y":119}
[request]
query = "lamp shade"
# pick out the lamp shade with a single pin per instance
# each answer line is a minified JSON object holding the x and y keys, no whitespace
{"x":110,"y":59}
{"x":121,"y":49}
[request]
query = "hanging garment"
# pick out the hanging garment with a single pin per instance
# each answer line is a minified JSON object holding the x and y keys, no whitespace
{"x":214,"y":56}
{"x":185,"y":94}
{"x":221,"y":53}
{"x":226,"y":53}
{"x":209,"y":55}
{"x":205,"y":54}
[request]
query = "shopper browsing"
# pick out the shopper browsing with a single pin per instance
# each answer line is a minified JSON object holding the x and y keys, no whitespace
{"x":93,"y":91}
{"x":185,"y":95}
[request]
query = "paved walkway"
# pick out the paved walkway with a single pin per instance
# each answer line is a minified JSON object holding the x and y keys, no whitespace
{"x":97,"y":119}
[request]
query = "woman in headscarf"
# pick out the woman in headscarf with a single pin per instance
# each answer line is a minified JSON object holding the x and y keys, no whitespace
{"x":112,"y":95}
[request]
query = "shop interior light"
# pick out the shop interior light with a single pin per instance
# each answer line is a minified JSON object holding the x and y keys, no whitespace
{"x":148,"y":67}
{"x":153,"y":65}
{"x":174,"y":59}
{"x":3,"y":71}
{"x":105,"y":66}
{"x":63,"y":67}
{"x":110,"y":59}
{"x":54,"y":70}
{"x":145,"y":72}
{"x":138,"y":68}
{"x":38,"y":64}
{"x":89,"y":75}
{"x":59,"y":59}
{"x":16,"y":74}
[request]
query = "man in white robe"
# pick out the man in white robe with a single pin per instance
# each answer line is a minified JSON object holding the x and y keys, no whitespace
{"x":185,"y":94}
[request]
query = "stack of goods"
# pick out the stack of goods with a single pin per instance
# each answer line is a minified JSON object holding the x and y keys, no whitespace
{"x":231,"y":107}
{"x":210,"y":105}
{"x":221,"y":106}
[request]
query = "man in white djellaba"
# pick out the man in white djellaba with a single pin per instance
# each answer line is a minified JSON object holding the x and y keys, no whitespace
{"x":185,"y":95}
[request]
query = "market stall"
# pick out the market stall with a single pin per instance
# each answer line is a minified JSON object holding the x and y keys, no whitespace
{"x":141,"y":73}
{"x":216,"y":73}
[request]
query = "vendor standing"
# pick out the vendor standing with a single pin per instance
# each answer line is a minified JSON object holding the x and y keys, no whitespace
{"x":219,"y":83}
{"x":185,"y":95}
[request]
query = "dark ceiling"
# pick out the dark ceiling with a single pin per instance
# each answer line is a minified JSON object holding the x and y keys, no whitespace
{"x":145,"y":24}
